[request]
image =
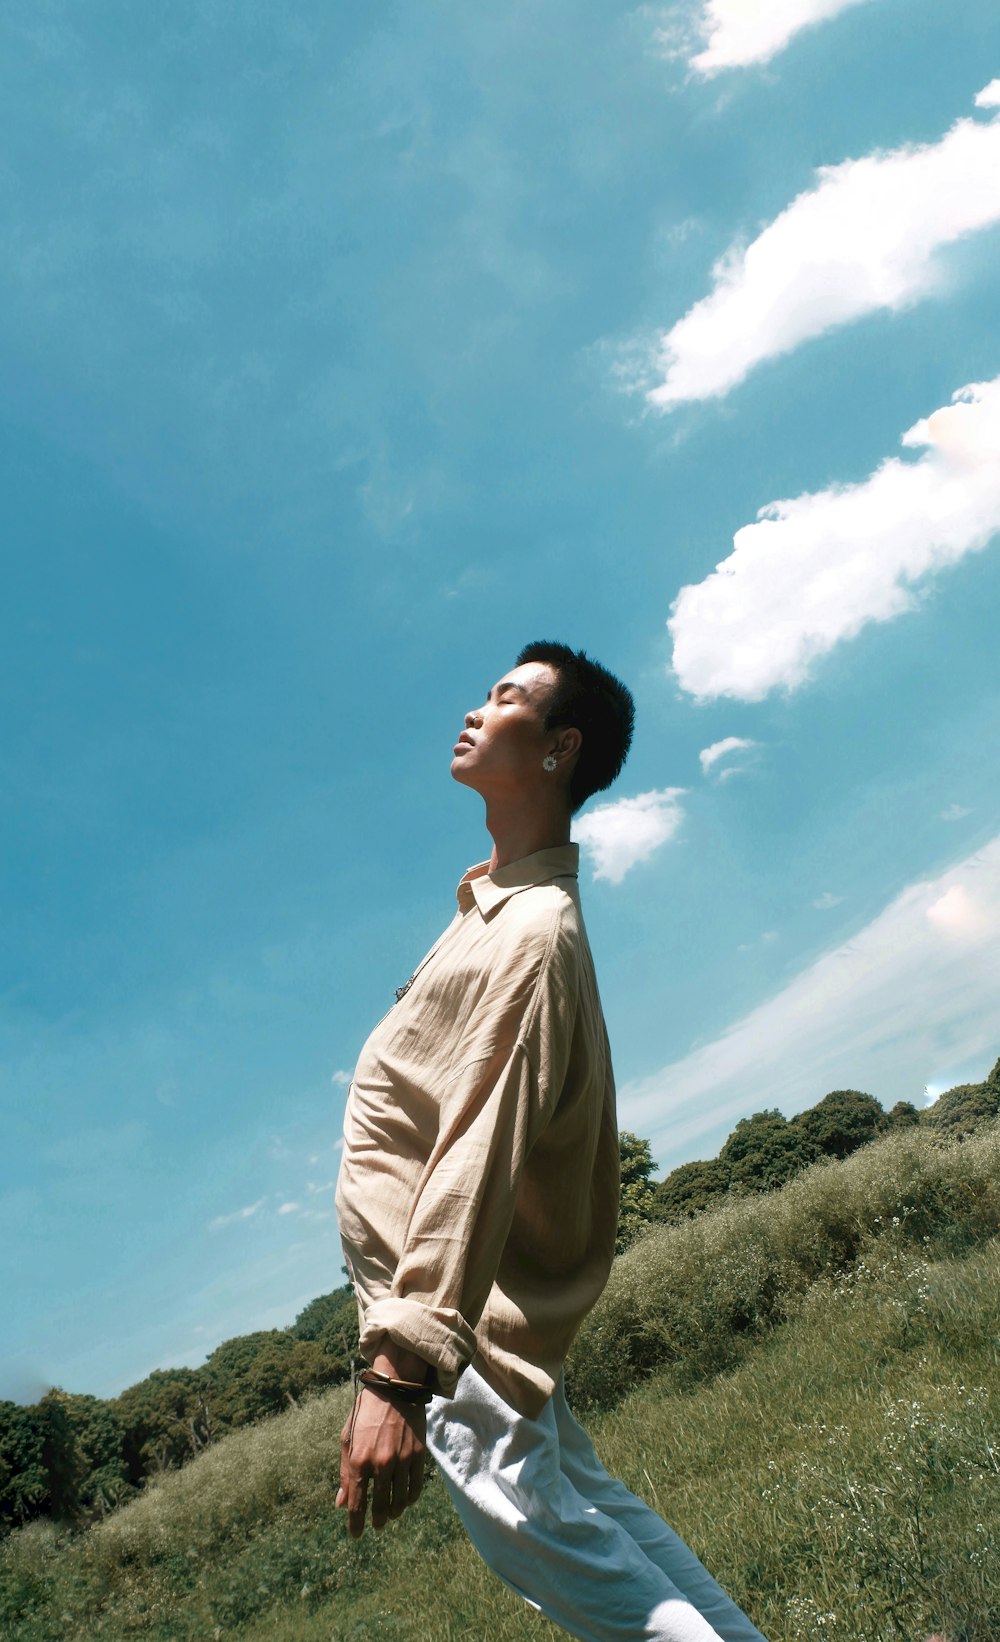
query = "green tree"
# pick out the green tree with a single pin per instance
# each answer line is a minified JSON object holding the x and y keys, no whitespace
{"x":24,"y":1483}
{"x":690,"y":1189}
{"x":764,"y":1151}
{"x":60,"y":1459}
{"x":841,"y":1122}
{"x":902,"y":1116}
{"x":166,"y":1418}
{"x":99,"y":1435}
{"x":331,"y":1321}
{"x":256,"y":1374}
{"x":637,"y":1198}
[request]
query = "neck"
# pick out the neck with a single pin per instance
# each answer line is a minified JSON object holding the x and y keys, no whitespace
{"x":517,"y":831}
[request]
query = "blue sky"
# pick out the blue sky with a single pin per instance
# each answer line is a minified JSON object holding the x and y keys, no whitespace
{"x":342,"y":355}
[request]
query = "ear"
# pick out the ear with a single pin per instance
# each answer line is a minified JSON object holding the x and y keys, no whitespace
{"x":569,"y":743}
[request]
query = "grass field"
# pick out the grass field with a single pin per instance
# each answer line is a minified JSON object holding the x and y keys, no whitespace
{"x":836,"y":1464}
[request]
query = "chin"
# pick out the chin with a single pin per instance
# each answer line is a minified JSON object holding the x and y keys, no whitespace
{"x":459,"y":772}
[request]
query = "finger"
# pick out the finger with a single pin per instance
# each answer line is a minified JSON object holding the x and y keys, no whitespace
{"x":345,"y":1464}
{"x":381,"y":1497}
{"x":416,"y":1478}
{"x":400,"y":1491}
{"x":357,"y":1504}
{"x":347,"y":1469}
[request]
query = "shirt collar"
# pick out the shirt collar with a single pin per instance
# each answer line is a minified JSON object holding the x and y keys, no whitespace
{"x":491,"y":889}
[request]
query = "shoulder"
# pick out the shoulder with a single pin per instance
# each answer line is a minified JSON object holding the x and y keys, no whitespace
{"x":543,"y":923}
{"x":542,"y":906}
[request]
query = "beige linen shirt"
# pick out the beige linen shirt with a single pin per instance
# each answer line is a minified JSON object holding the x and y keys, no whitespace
{"x":478,"y":1191}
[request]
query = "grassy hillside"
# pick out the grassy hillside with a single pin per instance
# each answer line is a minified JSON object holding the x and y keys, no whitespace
{"x":694,"y":1297}
{"x":827,"y":1436}
{"x":74,"y":1457}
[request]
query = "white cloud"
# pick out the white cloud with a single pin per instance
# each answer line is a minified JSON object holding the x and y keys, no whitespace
{"x":824,"y":902}
{"x":341,"y":1079}
{"x":768,"y":937}
{"x":237,"y":1214}
{"x":862,"y":239}
{"x":618,"y":836}
{"x":989,"y":97}
{"x":710,"y":756}
{"x":813,"y":571}
{"x":955,"y":812}
{"x":289,"y":1208}
{"x":738,"y":32}
{"x":893,"y":1009}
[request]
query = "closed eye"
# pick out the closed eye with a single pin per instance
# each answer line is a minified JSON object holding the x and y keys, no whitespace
{"x":507,"y":688}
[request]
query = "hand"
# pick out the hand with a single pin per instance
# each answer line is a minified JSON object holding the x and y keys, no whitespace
{"x":383,"y":1443}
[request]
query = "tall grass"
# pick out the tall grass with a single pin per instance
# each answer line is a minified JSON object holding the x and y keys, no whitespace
{"x":693,"y":1297}
{"x":845,"y":1482}
{"x":250,"y":1522}
{"x":842,"y":1481}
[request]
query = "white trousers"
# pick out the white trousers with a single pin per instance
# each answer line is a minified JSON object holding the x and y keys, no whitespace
{"x":548,"y":1519}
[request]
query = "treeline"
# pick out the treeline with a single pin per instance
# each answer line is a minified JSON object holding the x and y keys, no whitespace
{"x":75,"y":1457}
{"x":767,"y":1149}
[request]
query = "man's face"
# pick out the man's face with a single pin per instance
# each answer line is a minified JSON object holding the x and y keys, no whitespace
{"x":500,"y":751}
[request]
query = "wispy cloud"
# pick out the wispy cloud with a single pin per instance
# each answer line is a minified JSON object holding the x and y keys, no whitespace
{"x":736,"y":33}
{"x":889,"y":1011}
{"x":862,"y":239}
{"x":824,"y":902}
{"x":246,"y":1213}
{"x":766,"y":938}
{"x":341,"y":1079}
{"x":719,"y":751}
{"x":618,"y":836}
{"x":814,"y":571}
{"x":955,"y":812}
{"x":289,"y":1208}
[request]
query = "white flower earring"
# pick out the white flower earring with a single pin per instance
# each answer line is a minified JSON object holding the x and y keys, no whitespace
{"x":549,"y":762}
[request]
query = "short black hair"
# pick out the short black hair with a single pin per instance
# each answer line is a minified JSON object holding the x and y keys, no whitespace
{"x":590,"y":699}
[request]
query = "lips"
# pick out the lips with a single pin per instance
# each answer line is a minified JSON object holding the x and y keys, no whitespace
{"x":464,"y":740}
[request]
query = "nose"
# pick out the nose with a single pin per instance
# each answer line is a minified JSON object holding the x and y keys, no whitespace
{"x":474,"y":717}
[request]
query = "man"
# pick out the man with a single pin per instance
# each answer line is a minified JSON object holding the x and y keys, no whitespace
{"x":478,"y":1196}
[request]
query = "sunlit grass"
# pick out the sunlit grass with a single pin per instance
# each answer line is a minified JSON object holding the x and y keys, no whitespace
{"x":694,"y":1297}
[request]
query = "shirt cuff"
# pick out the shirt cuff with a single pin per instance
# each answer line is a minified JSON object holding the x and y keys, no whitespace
{"x":439,"y":1334}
